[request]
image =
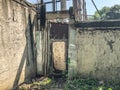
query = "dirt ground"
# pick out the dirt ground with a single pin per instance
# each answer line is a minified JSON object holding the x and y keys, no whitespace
{"x":46,"y":83}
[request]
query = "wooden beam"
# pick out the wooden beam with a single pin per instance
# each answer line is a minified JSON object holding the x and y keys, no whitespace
{"x":77,"y":6}
{"x":58,"y":14}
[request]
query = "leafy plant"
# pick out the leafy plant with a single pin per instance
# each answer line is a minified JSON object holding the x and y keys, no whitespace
{"x":88,"y":84}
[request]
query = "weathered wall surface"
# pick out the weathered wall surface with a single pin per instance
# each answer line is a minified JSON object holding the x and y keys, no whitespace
{"x":98,"y":53}
{"x":16,"y":61}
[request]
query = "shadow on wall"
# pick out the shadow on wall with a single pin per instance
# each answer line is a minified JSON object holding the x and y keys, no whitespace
{"x":28,"y":59}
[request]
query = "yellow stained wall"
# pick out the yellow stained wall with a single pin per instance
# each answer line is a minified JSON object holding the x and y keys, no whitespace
{"x":98,"y":54}
{"x":14,"y":66}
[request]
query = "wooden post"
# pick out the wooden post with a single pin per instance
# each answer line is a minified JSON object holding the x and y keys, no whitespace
{"x":83,"y":10}
{"x":80,"y":12}
{"x":77,"y":9}
{"x":63,"y":5}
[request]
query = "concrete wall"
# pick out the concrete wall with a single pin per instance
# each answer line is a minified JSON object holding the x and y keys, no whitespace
{"x":98,"y":53}
{"x":72,"y":53}
{"x":16,"y":56}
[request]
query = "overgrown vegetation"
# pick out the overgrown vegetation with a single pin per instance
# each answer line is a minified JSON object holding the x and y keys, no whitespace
{"x":71,"y":84}
{"x":90,"y":84}
{"x":107,"y":13}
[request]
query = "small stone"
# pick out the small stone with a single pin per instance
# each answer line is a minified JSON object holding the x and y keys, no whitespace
{"x":101,"y":83}
{"x":33,"y":80}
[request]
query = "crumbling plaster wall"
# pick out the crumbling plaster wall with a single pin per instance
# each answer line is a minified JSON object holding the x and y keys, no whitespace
{"x":14,"y":64}
{"x":98,"y":53}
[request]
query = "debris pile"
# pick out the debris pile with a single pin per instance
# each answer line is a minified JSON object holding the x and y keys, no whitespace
{"x":35,"y":84}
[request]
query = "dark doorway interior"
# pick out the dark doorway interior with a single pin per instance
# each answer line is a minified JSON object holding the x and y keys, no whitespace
{"x":59,"y":34}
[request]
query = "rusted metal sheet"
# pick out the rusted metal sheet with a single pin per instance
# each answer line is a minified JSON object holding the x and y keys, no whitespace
{"x":59,"y":31}
{"x":59,"y":55}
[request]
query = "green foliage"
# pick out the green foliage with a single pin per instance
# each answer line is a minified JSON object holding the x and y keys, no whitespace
{"x":88,"y":84}
{"x":107,"y":13}
{"x":82,"y":84}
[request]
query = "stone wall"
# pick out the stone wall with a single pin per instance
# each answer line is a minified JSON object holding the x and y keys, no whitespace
{"x":98,"y":53}
{"x":16,"y":50}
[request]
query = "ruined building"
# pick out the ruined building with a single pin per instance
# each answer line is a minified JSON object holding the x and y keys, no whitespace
{"x":35,"y":43}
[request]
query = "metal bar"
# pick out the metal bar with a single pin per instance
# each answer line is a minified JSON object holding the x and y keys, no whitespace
{"x":59,"y":12}
{"x":51,"y":2}
{"x":96,"y":7}
{"x":54,"y":3}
